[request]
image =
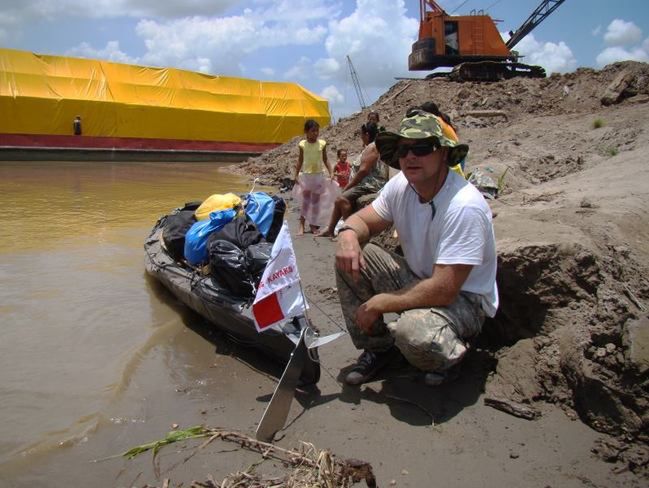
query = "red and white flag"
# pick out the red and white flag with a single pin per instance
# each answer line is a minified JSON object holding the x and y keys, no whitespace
{"x":279,"y":295}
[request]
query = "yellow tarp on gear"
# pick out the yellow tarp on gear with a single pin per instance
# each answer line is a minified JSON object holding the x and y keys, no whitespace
{"x":216,"y":202}
{"x":41,"y":94}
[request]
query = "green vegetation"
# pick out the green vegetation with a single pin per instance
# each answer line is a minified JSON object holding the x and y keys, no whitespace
{"x":501,"y":181}
{"x":174,"y":436}
{"x":597,"y":123}
{"x":612,"y":151}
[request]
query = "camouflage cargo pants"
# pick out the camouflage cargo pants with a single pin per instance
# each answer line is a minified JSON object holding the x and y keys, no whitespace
{"x":431,"y":339}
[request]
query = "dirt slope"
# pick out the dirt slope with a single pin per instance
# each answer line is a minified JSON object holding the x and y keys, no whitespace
{"x":572,"y":230}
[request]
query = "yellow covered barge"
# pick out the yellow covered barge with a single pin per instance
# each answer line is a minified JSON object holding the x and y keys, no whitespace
{"x":127,"y":111}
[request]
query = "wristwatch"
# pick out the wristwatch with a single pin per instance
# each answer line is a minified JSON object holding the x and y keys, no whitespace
{"x":347,"y":227}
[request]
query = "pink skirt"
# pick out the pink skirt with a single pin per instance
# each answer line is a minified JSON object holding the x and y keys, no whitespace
{"x":315,"y":195}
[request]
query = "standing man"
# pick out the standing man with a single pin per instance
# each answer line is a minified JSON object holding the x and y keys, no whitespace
{"x":446,"y":282}
{"x":76,"y":125}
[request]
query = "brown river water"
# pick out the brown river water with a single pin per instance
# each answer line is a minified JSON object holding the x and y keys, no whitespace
{"x":89,"y":342}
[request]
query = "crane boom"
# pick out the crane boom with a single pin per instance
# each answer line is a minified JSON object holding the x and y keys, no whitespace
{"x":542,"y":11}
{"x":357,"y":84}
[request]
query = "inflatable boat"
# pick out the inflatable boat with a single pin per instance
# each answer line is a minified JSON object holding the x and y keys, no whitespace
{"x":230,"y":314}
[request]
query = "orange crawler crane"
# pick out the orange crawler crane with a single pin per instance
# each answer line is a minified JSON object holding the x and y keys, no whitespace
{"x":472,"y":45}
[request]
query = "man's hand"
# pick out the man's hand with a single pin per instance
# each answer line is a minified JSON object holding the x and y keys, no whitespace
{"x":368,"y":313}
{"x":349,"y":256}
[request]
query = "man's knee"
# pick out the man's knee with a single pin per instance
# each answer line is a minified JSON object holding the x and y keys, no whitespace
{"x":370,"y":250}
{"x":427,"y":339}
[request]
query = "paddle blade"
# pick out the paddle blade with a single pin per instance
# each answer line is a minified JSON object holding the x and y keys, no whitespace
{"x":277,"y":409}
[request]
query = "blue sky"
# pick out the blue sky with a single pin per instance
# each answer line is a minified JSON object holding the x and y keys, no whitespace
{"x":307,"y":41}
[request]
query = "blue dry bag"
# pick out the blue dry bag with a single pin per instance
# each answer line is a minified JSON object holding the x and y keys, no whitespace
{"x":260,"y":207}
{"x":196,"y":238}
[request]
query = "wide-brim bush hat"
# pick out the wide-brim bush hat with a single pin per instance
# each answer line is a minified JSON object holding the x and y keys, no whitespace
{"x":419,"y":125}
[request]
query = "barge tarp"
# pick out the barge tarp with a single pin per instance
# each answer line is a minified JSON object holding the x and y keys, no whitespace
{"x":133,"y":107}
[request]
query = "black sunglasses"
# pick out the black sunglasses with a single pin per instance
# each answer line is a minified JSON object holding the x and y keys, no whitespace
{"x":418,"y":149}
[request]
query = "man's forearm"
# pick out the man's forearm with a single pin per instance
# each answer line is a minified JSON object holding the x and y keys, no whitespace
{"x":423,"y":294}
{"x":358,"y":226}
{"x":440,"y":290}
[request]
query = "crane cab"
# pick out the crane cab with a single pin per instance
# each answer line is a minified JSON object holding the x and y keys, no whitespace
{"x":446,"y":41}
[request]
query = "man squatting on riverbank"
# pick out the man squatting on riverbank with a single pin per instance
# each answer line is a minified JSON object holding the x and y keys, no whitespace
{"x":446,"y":282}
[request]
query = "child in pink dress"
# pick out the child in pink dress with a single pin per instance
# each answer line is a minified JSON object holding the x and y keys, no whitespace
{"x":314,"y":190}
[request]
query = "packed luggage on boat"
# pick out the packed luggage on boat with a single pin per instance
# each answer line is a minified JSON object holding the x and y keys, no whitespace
{"x":212,"y":256}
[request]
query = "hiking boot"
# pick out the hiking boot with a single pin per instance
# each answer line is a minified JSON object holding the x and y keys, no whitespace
{"x":368,"y":365}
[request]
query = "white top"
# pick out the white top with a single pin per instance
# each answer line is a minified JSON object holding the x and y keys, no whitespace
{"x":460,"y":233}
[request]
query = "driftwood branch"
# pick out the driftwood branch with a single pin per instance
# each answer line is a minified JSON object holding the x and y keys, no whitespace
{"x":311,"y":467}
{"x":348,"y":469}
{"x":513,"y":408}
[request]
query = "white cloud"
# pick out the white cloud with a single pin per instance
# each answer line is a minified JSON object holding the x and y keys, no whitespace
{"x":170,"y":9}
{"x":596,"y":31}
{"x":332,"y":94}
{"x":555,"y":58}
{"x":26,"y":10}
{"x":378,"y":38}
{"x":613,"y":54}
{"x":622,"y":33}
{"x":326,"y":68}
{"x":195,"y":35}
{"x":299,"y":71}
{"x":309,"y":35}
{"x":296,"y":12}
{"x":188,"y":42}
{"x":111,"y":52}
{"x":338,"y":106}
{"x":625,"y":41}
{"x":203,"y":65}
{"x":226,"y":41}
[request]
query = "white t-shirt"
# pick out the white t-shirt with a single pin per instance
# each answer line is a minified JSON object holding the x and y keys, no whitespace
{"x":460,"y":233}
